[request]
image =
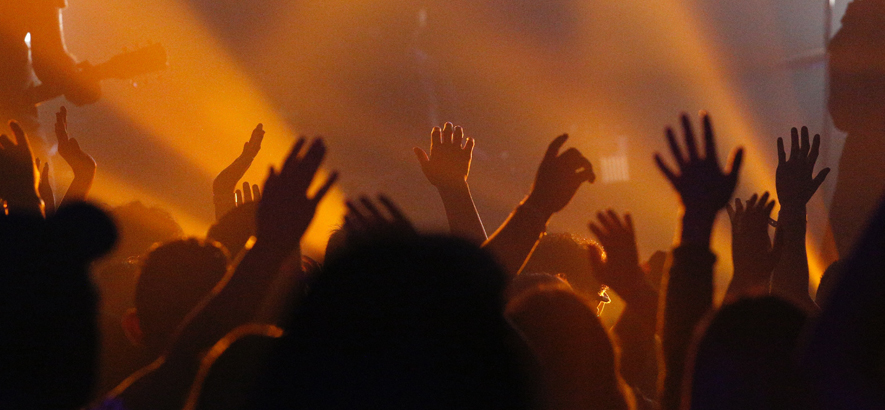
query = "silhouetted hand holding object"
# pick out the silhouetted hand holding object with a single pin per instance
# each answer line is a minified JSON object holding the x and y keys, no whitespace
{"x":225,"y":183}
{"x":44,"y":188}
{"x":364,"y":218}
{"x":703,"y":186}
{"x":286,"y":209}
{"x":81,"y":163}
{"x":795,"y":184}
{"x":752,"y":251}
{"x":18,"y":173}
{"x":448,"y":163}
{"x":247,"y":195}
{"x":558,"y":179}
{"x":620,"y":270}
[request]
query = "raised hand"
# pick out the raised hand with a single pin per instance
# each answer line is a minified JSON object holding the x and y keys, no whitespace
{"x":365,"y":218}
{"x":44,"y":188}
{"x":286,"y":209}
{"x":795,"y":186}
{"x":449,"y":162}
{"x":447,"y":168}
{"x":225,"y":184}
{"x":794,"y":181}
{"x":247,"y":195}
{"x":558,"y":179}
{"x":18,"y":174}
{"x":81,"y":163}
{"x":753,"y":254}
{"x":620,"y":270}
{"x":703,"y":187}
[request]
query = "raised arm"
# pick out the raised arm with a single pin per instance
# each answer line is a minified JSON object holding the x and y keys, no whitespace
{"x":704,"y":188}
{"x":635,"y":328}
{"x":447,"y":168}
{"x":81,"y":163}
{"x":751,"y":248}
{"x":795,"y":186}
{"x":225,"y":183}
{"x":283,"y":215}
{"x":558,"y":179}
{"x":18,"y":174}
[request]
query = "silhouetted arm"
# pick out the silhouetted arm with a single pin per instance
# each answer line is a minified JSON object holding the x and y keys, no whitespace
{"x":282,"y":217}
{"x":703,"y":189}
{"x":559,"y":177}
{"x":795,"y":187}
{"x":447,"y":168}
{"x":636,"y":327}
{"x":82,"y":164}
{"x":751,"y":249}
{"x":225,"y":183}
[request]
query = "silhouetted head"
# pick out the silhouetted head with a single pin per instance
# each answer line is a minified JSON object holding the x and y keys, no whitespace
{"x":235,"y":228}
{"x":566,"y":254}
{"x":528,"y":282}
{"x":141,"y":227}
{"x":400,"y":322}
{"x":174,"y":278}
{"x":576,"y":356}
{"x":48,"y":333}
{"x":745,"y":358}
{"x":857,"y":68}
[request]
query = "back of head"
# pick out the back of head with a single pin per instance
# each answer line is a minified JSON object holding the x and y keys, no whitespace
{"x":746,"y":357}
{"x":235,"y":228}
{"x":141,"y":227}
{"x":48,"y":335}
{"x":400,"y":322}
{"x":576,"y":356}
{"x":566,"y":254}
{"x":174,"y":278}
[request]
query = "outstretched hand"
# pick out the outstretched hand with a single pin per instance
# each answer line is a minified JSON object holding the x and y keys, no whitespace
{"x":794,"y":181}
{"x":753,"y":254}
{"x":286,"y":209}
{"x":558,"y":179}
{"x":703,"y":186}
{"x":225,"y":183}
{"x":81,"y":163}
{"x":449,"y":162}
{"x":365,"y":218}
{"x":620,"y":270}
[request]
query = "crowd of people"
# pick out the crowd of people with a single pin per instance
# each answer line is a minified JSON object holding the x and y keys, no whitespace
{"x":396,"y":318}
{"x":113,"y":308}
